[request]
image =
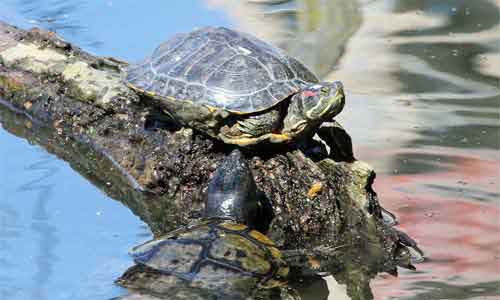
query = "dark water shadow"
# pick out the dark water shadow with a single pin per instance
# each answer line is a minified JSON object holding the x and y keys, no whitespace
{"x":41,"y":224}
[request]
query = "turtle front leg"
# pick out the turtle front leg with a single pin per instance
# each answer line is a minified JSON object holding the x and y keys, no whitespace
{"x":252,"y":129}
{"x":338,"y":140}
{"x":259,"y":124}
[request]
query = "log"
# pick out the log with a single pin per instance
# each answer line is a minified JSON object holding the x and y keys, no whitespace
{"x":77,"y":106}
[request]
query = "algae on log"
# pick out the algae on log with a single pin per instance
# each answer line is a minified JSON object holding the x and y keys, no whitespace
{"x":97,"y":124}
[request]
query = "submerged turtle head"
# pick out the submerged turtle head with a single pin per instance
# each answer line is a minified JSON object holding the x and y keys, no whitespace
{"x":312,"y":105}
{"x":232,"y":193}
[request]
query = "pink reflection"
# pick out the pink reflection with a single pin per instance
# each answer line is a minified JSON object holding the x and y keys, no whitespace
{"x":460,"y":235}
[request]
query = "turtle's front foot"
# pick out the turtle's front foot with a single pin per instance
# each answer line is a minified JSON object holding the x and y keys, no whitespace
{"x":338,"y":140}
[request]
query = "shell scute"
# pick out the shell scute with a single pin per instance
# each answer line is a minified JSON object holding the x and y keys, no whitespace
{"x":237,"y":251}
{"x":223,"y":247}
{"x":261,"y":237}
{"x":224,"y":62}
{"x":173,"y":256}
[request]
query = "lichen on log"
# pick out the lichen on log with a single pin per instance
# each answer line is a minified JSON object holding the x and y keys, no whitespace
{"x":90,"y":118}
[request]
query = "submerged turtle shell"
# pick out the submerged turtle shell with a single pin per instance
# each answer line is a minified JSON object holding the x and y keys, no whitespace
{"x":215,"y":254}
{"x":222,"y":68}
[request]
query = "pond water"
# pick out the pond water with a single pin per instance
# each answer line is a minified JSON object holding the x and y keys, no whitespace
{"x":422,"y":81}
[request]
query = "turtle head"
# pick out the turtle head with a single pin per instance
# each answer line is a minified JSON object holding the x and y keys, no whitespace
{"x":314,"y":104}
{"x":232,"y":194}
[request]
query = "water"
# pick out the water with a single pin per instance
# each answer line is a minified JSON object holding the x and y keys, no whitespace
{"x":423,"y":108}
{"x":60,"y":238}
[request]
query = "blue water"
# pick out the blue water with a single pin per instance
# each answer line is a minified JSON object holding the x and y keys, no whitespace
{"x":61,"y":237}
{"x":422,"y":108}
{"x":127,"y":29}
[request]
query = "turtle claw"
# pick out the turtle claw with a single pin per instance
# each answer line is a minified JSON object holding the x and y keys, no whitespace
{"x":403,"y":258}
{"x":407,"y":253}
{"x":417,"y":254}
{"x":388,"y":217}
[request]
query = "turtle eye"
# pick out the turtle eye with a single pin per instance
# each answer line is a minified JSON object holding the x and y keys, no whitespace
{"x":325,"y":90}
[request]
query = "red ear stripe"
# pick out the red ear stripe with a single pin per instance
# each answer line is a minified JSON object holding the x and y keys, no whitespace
{"x":309,"y":93}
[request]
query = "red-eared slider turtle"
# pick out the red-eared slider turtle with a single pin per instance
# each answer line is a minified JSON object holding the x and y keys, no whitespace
{"x":235,"y":87}
{"x":218,"y":254}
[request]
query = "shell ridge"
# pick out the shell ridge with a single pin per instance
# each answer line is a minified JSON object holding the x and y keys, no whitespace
{"x":153,"y":78}
{"x":222,"y":90}
{"x":151,"y":81}
{"x":271,"y":75}
{"x":197,"y":61}
{"x":295,"y":75}
{"x":252,"y":104}
{"x":227,"y":92}
{"x":186,"y":35}
{"x":221,"y":263}
{"x":165,"y":88}
{"x":217,"y":69}
{"x":205,"y":250}
{"x":133,"y":70}
{"x":183,"y":59}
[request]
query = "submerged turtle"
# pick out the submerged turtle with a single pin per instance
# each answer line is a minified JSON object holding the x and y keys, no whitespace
{"x":235,"y":87}
{"x":217,"y":255}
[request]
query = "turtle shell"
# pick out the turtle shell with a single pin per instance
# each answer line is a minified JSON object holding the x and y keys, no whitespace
{"x":215,"y":253}
{"x":221,"y":68}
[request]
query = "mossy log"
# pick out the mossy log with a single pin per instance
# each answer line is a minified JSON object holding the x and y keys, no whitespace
{"x":76,"y":106}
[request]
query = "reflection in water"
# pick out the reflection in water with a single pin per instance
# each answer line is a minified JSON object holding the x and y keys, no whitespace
{"x":127,"y":29}
{"x":40,"y":225}
{"x":9,"y":229}
{"x":433,"y":114}
{"x":39,"y":208}
{"x":441,"y":290}
{"x":423,"y":107}
{"x":313,"y":31}
{"x":57,"y":16}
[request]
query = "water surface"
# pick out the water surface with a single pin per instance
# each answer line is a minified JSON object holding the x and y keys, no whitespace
{"x":422,"y":82}
{"x":60,"y":236}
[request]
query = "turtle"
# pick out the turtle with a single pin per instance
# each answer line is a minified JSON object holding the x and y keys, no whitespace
{"x":220,"y":254}
{"x":235,"y":87}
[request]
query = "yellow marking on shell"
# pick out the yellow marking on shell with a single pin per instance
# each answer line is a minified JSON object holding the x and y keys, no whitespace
{"x":315,"y":189}
{"x":261,"y":238}
{"x":275,"y":252}
{"x":313,"y":262}
{"x":230,"y":246}
{"x":240,"y":113}
{"x":233,"y":226}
